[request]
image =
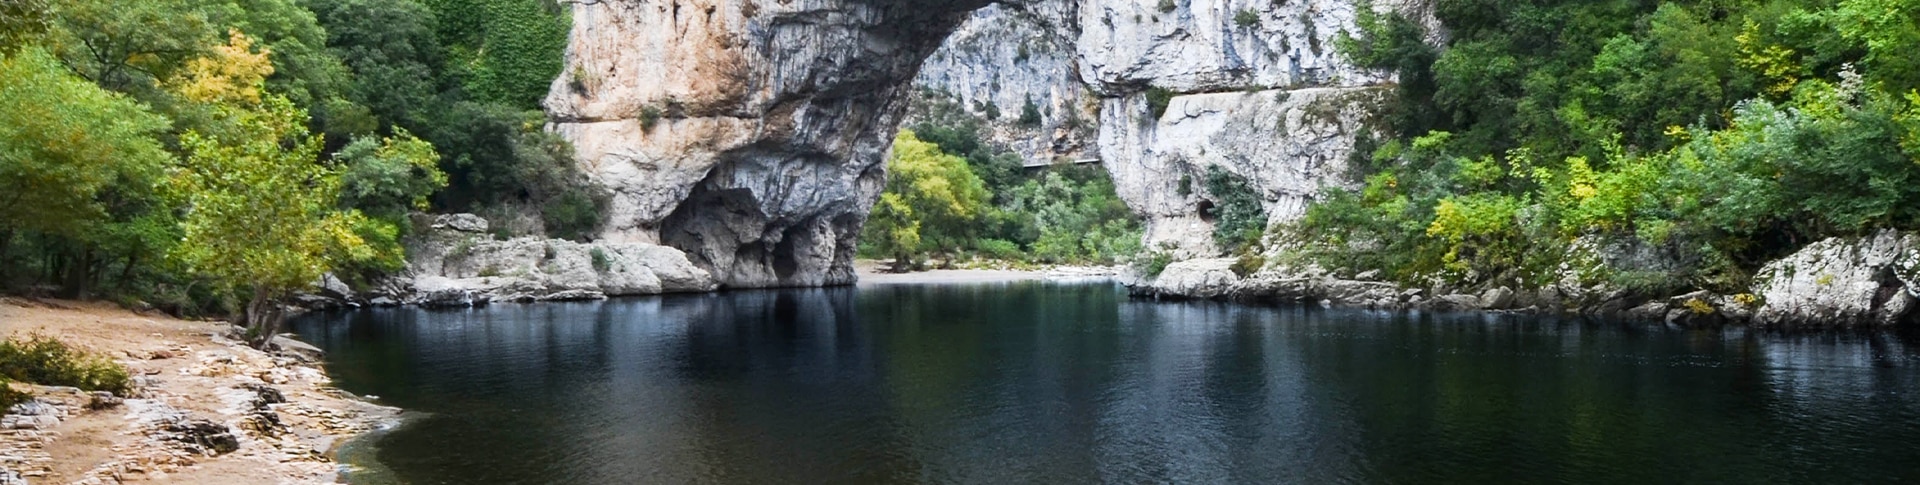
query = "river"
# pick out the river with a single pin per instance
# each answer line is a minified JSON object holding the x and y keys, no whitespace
{"x":1037,"y":382}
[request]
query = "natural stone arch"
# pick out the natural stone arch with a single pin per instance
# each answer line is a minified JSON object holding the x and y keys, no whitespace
{"x":749,"y":134}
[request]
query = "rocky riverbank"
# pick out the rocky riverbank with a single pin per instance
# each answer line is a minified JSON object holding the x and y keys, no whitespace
{"x":1869,"y":281}
{"x":454,"y":260}
{"x":204,"y":409}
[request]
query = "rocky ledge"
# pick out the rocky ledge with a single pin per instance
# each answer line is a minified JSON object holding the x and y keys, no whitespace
{"x":1835,"y":283}
{"x":454,"y":261}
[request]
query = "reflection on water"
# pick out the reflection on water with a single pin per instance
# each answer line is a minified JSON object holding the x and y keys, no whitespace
{"x":1048,"y":383}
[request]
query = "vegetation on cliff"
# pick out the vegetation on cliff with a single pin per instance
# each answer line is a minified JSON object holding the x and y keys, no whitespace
{"x":980,"y":202}
{"x":214,"y":156}
{"x":1717,"y":135}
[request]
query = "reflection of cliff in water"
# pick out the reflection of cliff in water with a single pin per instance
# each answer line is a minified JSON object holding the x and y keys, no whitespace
{"x":1032,"y":382}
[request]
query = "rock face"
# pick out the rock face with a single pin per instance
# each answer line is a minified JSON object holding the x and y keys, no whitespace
{"x":454,"y":267}
{"x":1005,"y":56}
{"x":1270,"y":100}
{"x":1287,"y":145}
{"x":1842,"y":282}
{"x":750,"y":134}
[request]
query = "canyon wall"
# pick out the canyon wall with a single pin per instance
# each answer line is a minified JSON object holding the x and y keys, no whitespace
{"x":1258,"y":90}
{"x":752,"y":134}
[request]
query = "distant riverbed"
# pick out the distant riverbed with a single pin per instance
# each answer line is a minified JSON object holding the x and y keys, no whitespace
{"x":1028,"y":381}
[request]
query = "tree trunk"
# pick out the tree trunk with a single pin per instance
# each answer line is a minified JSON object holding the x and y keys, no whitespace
{"x":79,"y":271}
{"x":263,"y":318}
{"x":6,"y":242}
{"x":126,"y":272}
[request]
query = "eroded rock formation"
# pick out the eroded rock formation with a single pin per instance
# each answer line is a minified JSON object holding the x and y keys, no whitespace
{"x":750,"y":134}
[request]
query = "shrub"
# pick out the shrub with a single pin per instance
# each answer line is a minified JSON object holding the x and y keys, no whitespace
{"x":1168,"y":6}
{"x":574,"y":215}
{"x":9,"y":396}
{"x":1246,"y":19}
{"x":1248,"y":263}
{"x":1030,"y":114}
{"x":1157,"y":100}
{"x":600,"y":261}
{"x":649,"y":116}
{"x":1239,"y":218}
{"x":47,"y":361}
{"x":999,"y":249}
{"x":1154,"y":263}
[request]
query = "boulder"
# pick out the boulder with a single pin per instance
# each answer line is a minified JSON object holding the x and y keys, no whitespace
{"x":1497,"y":298}
{"x":449,"y":268}
{"x":1841,"y":282}
{"x":467,"y":223}
{"x":1197,"y":279}
{"x":1456,"y":302}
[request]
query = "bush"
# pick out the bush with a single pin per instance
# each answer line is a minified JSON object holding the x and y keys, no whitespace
{"x":575,"y":215}
{"x":1246,"y":19}
{"x":47,"y":361}
{"x":600,"y":261}
{"x":9,"y":396}
{"x":1154,"y":263}
{"x":1238,"y":217}
{"x":999,"y":249}
{"x":649,"y":116}
{"x":1157,"y":100}
{"x":1030,"y":114}
{"x":1168,"y":6}
{"x":1248,"y":263}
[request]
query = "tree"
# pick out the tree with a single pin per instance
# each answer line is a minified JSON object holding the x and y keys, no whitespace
{"x":390,"y":47}
{"x":929,"y":205}
{"x":386,"y":178}
{"x":63,"y":141}
{"x":22,"y":21}
{"x":262,"y":215}
{"x":503,"y":51}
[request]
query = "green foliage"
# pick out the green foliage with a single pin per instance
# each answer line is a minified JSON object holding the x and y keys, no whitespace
{"x":492,"y":154}
{"x":1167,"y":6}
{"x":64,"y":143}
{"x":503,"y":51}
{"x":1157,"y":100}
{"x":1718,"y":135}
{"x":1247,"y":264}
{"x":600,"y":261}
{"x":574,"y":215}
{"x":10,"y":396}
{"x":649,"y":116}
{"x":395,"y":59}
{"x":1238,"y":216}
{"x":930,"y":203}
{"x":387,"y":178}
{"x":1076,"y":216}
{"x":23,"y":21}
{"x":1155,"y":263}
{"x":1060,"y":214}
{"x":1030,"y":114}
{"x":47,"y":361}
{"x":1246,"y":19}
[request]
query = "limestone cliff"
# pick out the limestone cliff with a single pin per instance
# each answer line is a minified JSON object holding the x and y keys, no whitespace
{"x":751,"y":134}
{"x":1259,"y":91}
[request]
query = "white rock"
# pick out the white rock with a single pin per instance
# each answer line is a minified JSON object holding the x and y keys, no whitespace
{"x":1841,"y":282}
{"x":1199,"y":278}
{"x":461,"y":222}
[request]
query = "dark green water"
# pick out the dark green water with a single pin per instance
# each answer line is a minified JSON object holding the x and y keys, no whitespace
{"x":1049,"y":383}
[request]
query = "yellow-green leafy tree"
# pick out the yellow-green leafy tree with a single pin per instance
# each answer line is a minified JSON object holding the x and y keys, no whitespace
{"x":930,"y":203}
{"x":262,"y":217}
{"x":63,"y":141}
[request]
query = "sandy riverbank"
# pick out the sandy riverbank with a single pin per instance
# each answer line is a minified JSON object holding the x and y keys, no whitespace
{"x":874,"y":273}
{"x":185,"y":374}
